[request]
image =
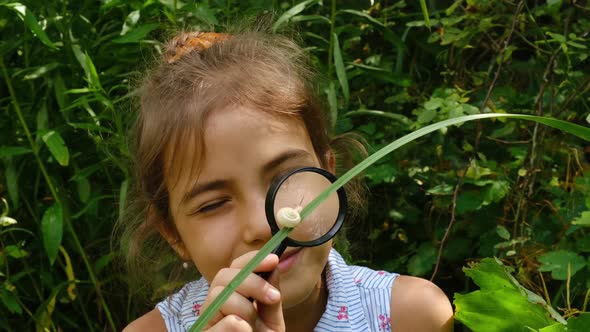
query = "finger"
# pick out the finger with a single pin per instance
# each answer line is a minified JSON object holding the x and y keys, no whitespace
{"x":231,"y":323}
{"x":252,"y":287}
{"x":235,"y":304}
{"x":268,"y":263}
{"x":270,"y":316}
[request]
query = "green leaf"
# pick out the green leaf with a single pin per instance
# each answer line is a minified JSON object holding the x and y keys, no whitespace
{"x":501,"y":296}
{"x":136,"y":34}
{"x":425,"y":13}
{"x":10,"y":301}
{"x":503,"y":232}
{"x":433,"y":103}
{"x":427,"y":116}
{"x":421,"y":263}
{"x":32,"y":73}
{"x":583,"y":220}
{"x":496,"y":192}
{"x":11,"y":151}
{"x":204,"y":13}
{"x":102,"y":262}
{"x":298,"y":8}
{"x":123,"y":197}
{"x":15,"y":252}
{"x":57,"y":147}
{"x":557,"y":327}
{"x":363,"y":15}
{"x":468,"y":201}
{"x":86,"y":62}
{"x":332,"y":102}
{"x":130,"y":21}
{"x":60,"y":91}
{"x":489,"y":275}
{"x":441,"y":189}
{"x":31,"y":22}
{"x":579,"y":324}
{"x":12,"y":182}
{"x":499,"y":310}
{"x":557,"y":262}
{"x":340,"y":69}
{"x":83,"y":187}
{"x":52,"y":230}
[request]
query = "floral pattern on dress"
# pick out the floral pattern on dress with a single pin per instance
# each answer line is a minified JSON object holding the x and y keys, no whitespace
{"x":384,"y":323}
{"x":343,"y":313}
{"x":197,"y":308}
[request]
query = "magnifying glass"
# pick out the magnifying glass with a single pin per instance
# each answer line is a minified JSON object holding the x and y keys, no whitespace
{"x":297,"y":188}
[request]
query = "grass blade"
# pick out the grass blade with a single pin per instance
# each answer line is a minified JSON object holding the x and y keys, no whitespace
{"x":340,"y":69}
{"x":298,"y":8}
{"x":425,"y":13}
{"x":571,"y":128}
{"x":239,"y":278}
{"x":31,"y":22}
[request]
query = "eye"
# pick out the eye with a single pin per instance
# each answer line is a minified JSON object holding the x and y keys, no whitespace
{"x":211,"y":206}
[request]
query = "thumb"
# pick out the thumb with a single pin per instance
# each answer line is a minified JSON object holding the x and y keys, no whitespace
{"x":270,"y":316}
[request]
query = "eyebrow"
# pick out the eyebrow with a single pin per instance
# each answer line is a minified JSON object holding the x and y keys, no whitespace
{"x":198,"y":189}
{"x":284,"y":157}
{"x":201,"y":188}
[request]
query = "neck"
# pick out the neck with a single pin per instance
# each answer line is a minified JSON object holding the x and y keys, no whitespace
{"x":306,"y":315}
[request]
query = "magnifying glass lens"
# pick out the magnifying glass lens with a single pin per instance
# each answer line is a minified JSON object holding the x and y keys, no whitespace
{"x":297,"y":192}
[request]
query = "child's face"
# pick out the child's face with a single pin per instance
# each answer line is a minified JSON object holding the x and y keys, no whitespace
{"x":218,"y":209}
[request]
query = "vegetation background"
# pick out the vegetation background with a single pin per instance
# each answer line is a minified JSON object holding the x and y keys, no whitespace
{"x":515,"y":190}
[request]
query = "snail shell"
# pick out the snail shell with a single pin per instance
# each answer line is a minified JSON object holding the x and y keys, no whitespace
{"x":288,"y":217}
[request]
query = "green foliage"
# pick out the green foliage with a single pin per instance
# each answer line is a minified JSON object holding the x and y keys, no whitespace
{"x":502,"y":304}
{"x":512,"y":189}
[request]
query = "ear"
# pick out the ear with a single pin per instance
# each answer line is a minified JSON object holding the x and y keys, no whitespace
{"x":331,"y":159}
{"x":167,"y":229}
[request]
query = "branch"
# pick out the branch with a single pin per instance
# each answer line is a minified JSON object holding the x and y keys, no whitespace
{"x":501,"y":55}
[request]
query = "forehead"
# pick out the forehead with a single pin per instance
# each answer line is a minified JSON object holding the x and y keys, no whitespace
{"x":229,"y":134}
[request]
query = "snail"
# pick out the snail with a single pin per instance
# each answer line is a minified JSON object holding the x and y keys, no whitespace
{"x":288,"y":217}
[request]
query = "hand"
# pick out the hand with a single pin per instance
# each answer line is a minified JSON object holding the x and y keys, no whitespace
{"x":239,"y":313}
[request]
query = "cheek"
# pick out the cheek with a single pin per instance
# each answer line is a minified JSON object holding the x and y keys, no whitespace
{"x":210,"y":247}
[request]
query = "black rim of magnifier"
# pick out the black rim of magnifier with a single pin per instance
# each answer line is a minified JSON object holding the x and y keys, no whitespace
{"x":270,"y":213}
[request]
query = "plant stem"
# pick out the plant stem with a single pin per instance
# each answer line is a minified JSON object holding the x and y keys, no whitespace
{"x":331,"y":48}
{"x":54,"y":193}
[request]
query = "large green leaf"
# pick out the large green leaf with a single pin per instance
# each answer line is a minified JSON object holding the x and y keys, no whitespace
{"x":52,"y":230}
{"x":500,"y":297}
{"x":579,"y":324}
{"x":499,"y":310}
{"x":557,"y":262}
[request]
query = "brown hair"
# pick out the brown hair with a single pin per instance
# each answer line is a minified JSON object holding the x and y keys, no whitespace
{"x":265,"y":71}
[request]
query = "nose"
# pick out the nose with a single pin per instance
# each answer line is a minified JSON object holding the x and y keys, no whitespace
{"x":255,"y":228}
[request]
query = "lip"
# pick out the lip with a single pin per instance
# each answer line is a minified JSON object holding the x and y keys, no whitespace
{"x":288,"y":259}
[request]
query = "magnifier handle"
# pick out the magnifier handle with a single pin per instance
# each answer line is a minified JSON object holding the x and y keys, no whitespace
{"x":277,"y":251}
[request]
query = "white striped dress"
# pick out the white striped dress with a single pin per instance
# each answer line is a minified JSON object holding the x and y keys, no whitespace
{"x":358,"y":300}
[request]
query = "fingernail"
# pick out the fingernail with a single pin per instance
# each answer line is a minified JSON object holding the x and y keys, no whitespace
{"x":273,"y":295}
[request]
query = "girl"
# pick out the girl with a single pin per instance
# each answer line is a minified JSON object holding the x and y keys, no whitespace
{"x":220,"y":117}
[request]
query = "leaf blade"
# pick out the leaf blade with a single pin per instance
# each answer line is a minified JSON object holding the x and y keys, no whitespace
{"x":52,"y":231}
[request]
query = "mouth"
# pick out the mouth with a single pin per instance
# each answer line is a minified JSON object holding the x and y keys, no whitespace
{"x":288,"y":259}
